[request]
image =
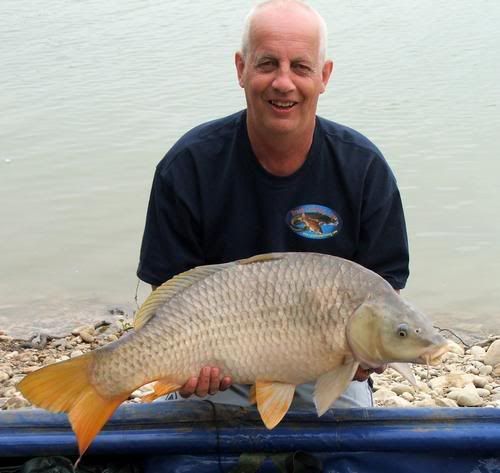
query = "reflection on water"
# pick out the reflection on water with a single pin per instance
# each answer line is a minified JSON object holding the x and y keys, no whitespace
{"x":94,"y":93}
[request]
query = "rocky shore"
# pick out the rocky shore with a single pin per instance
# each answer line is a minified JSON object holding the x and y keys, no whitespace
{"x":469,"y":376}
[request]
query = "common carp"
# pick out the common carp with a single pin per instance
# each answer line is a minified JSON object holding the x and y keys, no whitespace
{"x":273,"y":321}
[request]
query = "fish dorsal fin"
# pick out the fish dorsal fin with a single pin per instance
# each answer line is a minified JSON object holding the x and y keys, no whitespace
{"x":332,"y":384}
{"x":262,"y":258}
{"x":404,"y":369}
{"x":173,"y":287}
{"x":273,"y":401}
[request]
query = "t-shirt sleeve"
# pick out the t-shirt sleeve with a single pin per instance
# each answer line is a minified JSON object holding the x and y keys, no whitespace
{"x":383,"y":240}
{"x":171,"y":242}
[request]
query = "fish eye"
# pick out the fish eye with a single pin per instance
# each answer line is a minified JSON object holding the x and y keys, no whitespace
{"x":418,"y":330}
{"x":402,"y":330}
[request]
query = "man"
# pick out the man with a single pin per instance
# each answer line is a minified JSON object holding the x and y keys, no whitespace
{"x":275,"y":177}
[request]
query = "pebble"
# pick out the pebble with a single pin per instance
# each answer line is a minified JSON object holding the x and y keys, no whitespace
{"x":408,"y":396}
{"x":445,"y":402}
{"x":480,"y":382}
{"x":4,"y":376}
{"x":455,"y":379}
{"x":401,"y":388}
{"x":383,"y":394}
{"x":87,"y":337}
{"x":485,"y":370}
{"x":468,"y":397}
{"x":492,"y":356}
{"x":84,"y":328}
{"x":455,"y":348}
{"x":15,"y":403}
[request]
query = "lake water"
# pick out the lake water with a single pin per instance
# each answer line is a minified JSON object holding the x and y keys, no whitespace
{"x":93,"y":94}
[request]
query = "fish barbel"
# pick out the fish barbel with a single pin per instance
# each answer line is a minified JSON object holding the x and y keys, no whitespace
{"x":273,"y":321}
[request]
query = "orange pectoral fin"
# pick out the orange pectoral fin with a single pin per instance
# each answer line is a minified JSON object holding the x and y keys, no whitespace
{"x":273,"y":401}
{"x":161,"y":388}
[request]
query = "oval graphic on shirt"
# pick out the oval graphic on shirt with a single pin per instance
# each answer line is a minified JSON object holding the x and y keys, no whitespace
{"x":313,"y":221}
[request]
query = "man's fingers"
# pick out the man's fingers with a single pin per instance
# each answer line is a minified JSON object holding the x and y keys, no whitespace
{"x":203,"y":382}
{"x":189,"y":387}
{"x":214,"y":381}
{"x":208,"y":382}
{"x":225,"y":383}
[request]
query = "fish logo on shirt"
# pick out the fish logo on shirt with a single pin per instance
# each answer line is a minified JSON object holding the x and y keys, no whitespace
{"x":313,"y":221}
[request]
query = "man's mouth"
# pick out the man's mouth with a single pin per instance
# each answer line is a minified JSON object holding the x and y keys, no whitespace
{"x":283,"y":105}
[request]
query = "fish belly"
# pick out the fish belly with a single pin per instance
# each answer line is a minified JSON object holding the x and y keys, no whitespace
{"x":279,"y":321}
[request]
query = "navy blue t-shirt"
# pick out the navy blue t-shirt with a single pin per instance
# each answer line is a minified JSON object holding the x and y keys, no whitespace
{"x":212,"y":202}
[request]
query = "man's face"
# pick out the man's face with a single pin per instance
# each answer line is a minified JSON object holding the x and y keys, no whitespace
{"x":282,"y":73}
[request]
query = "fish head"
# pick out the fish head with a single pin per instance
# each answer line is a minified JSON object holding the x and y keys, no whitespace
{"x":380,"y":333}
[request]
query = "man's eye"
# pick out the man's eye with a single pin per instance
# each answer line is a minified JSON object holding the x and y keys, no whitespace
{"x":265,"y":65}
{"x":302,"y":68}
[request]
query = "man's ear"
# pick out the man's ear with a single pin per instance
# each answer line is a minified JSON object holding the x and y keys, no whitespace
{"x":326,"y":73}
{"x":239,"y":62}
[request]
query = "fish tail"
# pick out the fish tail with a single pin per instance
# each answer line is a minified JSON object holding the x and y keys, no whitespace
{"x":66,"y":387}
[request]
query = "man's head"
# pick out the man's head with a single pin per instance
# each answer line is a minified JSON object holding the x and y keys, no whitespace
{"x":282,"y":67}
{"x":323,"y":31}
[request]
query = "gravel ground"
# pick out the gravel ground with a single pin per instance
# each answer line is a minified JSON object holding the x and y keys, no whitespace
{"x":468,"y":377}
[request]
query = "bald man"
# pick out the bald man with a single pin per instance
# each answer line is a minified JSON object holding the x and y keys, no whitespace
{"x":275,"y":177}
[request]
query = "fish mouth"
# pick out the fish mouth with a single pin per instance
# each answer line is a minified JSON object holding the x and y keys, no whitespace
{"x":433,"y":356}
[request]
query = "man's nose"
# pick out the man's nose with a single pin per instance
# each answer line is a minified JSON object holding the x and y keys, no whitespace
{"x":283,"y":82}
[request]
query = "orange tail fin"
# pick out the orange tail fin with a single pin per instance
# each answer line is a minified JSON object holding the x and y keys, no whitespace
{"x":66,"y":387}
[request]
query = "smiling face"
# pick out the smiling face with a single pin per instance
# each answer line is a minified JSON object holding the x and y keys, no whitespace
{"x":282,"y":72}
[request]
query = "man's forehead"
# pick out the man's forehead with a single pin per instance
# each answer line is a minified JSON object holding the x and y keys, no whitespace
{"x":274,"y":32}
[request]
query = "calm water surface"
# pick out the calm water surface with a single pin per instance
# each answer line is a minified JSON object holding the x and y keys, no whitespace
{"x":93,"y":94}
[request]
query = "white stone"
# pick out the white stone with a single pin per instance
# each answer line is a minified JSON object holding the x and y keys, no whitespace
{"x":455,"y":379}
{"x":496,"y":370}
{"x":15,"y":403}
{"x":383,"y":394}
{"x":6,"y":368}
{"x":87,"y":337}
{"x":483,"y":392}
{"x":425,"y":403}
{"x":480,"y":382}
{"x":492,"y":356}
{"x":4,"y":376}
{"x":485,"y":370}
{"x":400,"y":388}
{"x":396,"y":402}
{"x":84,"y":328}
{"x":469,"y":398}
{"x":76,"y":353}
{"x":445,"y":402}
{"x":477,"y":352}
{"x":455,"y":347}
{"x":408,"y":396}
{"x":454,"y":394}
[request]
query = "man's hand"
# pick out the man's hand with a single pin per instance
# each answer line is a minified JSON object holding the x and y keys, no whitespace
{"x":363,"y":374}
{"x":208,"y":382}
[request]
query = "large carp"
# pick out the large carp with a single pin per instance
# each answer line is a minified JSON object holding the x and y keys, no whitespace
{"x":273,"y":321}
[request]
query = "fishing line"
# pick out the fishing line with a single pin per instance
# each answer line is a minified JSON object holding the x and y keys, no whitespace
{"x":136,"y":291}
